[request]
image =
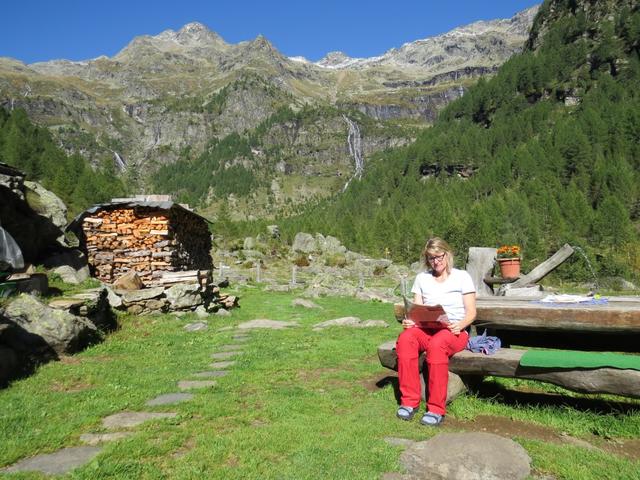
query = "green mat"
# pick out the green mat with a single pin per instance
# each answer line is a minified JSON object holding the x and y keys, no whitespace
{"x":574,"y":359}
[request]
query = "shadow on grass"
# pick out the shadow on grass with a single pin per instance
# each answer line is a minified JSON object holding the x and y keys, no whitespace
{"x":510,"y":396}
{"x":393,"y":381}
{"x":492,"y":390}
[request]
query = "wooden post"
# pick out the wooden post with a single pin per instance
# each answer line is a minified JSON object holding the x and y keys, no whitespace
{"x":480,"y":263}
{"x":258,"y":272}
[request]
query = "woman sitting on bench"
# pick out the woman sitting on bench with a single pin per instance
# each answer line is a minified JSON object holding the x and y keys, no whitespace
{"x":453,"y":289}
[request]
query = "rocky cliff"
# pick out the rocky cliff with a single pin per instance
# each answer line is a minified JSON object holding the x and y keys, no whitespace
{"x":164,"y":97}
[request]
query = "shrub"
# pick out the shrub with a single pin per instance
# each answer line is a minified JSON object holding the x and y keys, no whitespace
{"x":336,"y":260}
{"x":301,"y":261}
{"x":379,"y":270}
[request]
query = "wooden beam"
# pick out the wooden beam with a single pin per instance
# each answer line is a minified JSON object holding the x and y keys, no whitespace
{"x":506,"y":363}
{"x":543,"y":269}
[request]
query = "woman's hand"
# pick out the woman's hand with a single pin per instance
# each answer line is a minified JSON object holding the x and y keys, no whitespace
{"x":454,"y":327}
{"x":406,"y":323}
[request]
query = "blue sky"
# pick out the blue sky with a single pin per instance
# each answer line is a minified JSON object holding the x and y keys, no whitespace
{"x":42,"y":30}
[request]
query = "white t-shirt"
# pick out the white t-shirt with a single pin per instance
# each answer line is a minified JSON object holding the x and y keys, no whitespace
{"x":448,"y":293}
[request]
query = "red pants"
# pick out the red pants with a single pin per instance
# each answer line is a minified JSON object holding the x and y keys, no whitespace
{"x":439,"y":345}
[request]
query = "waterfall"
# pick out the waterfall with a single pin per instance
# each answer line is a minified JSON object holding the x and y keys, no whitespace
{"x":119,"y":162}
{"x":354,"y":141}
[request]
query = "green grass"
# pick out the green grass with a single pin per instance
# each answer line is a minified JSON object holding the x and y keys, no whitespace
{"x":295,"y":406}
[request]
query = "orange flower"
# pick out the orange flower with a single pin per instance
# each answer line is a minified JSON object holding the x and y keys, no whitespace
{"x":508,"y":251}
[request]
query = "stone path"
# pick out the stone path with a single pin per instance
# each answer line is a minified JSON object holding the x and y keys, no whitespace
{"x":67,"y":459}
{"x":169,"y":399}
{"x":225,"y":355}
{"x":132,"y":419}
{"x":195,"y":384}
{"x":211,"y":373}
{"x":56,"y":463}
{"x":484,"y":455}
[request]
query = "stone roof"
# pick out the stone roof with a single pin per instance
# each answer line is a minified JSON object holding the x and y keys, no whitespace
{"x":76,"y":223}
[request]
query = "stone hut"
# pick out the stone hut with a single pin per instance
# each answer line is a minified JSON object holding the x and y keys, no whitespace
{"x":158,"y":239}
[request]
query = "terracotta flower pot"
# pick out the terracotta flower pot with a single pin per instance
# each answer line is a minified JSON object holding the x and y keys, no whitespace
{"x":509,"y":267}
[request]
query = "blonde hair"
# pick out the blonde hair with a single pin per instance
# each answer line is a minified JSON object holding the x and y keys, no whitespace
{"x":437,"y":246}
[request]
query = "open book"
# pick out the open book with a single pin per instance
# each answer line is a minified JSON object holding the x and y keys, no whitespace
{"x":425,"y":316}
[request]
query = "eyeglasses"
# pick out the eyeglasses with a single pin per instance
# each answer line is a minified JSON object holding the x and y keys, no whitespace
{"x":438,"y":258}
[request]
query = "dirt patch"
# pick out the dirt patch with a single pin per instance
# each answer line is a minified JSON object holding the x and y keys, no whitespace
{"x":232,"y":461}
{"x":186,"y":447}
{"x":506,"y":427}
{"x":315,"y":374}
{"x":629,"y":448}
{"x":375,"y":382}
{"x":68,"y":360}
{"x":70,"y":387}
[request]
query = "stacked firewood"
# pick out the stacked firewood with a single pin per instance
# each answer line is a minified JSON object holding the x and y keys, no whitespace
{"x":150,"y":241}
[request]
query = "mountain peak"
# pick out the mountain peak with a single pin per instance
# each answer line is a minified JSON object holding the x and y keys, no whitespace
{"x":261,"y":42}
{"x":336,"y":59}
{"x":191,"y":34}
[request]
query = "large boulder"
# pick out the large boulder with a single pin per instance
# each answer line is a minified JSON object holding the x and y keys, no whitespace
{"x":27,"y":220}
{"x":46,"y":203}
{"x":38,"y":328}
{"x":70,"y":264}
{"x":485,"y":456}
{"x":329,"y":245}
{"x":249,"y":243}
{"x":184,"y":296}
{"x":304,"y":243}
{"x":91,"y":304}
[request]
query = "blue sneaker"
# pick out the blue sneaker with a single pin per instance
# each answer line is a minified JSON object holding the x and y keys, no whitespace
{"x":406,"y":413}
{"x":432,"y":419}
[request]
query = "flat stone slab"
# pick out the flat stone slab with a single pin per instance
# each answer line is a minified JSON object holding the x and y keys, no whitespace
{"x":264,"y":323}
{"x":169,"y":399}
{"x":224,"y":355}
{"x":301,"y":302}
{"x":66,"y":303}
{"x":240,"y":338}
{"x":195,"y":384}
{"x":195,"y":327}
{"x":56,"y":463}
{"x":222,"y":364}
{"x":353,"y":322}
{"x":227,"y":348}
{"x":140,"y":295}
{"x":98,"y":438}
{"x":466,"y":456}
{"x":211,"y":374}
{"x":132,"y":419}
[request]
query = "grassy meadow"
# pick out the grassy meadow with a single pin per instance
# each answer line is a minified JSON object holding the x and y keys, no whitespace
{"x":297,"y":404}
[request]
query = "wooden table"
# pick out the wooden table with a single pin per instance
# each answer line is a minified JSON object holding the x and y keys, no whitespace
{"x":614,"y":326}
{"x":621,"y":315}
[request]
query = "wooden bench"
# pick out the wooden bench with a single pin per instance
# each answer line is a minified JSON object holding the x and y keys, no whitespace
{"x":472,"y":367}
